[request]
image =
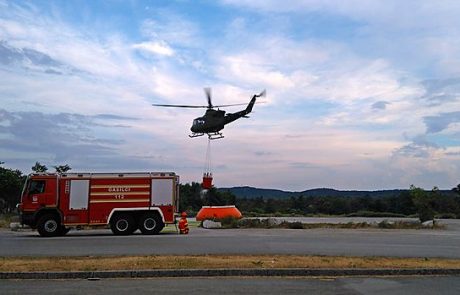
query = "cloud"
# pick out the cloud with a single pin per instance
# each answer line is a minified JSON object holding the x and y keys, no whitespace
{"x":159,"y":48}
{"x":61,"y":136}
{"x":114,"y":117}
{"x":172,"y":28}
{"x":380,"y":105}
{"x":67,"y":138}
{"x":30,"y":59}
{"x":420,"y":147}
{"x":441,"y":91}
{"x":424,"y":33}
{"x":441,"y":121}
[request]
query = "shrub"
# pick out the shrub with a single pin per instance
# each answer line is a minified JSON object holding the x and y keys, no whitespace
{"x":250,"y":223}
{"x":229,"y":222}
{"x":295,"y":225}
{"x":423,"y":202}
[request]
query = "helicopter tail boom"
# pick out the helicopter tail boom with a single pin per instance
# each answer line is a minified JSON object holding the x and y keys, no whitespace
{"x":253,"y":101}
{"x":250,"y":105}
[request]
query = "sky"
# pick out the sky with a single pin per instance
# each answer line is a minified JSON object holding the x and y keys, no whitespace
{"x":361,"y":95}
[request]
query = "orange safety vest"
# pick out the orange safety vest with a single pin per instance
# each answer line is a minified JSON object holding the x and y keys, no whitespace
{"x":183,"y":225}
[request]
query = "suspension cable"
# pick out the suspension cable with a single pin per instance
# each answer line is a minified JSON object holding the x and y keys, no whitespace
{"x":208,"y":161}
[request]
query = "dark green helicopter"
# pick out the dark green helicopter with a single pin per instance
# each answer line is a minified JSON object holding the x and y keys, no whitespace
{"x":213,"y":121}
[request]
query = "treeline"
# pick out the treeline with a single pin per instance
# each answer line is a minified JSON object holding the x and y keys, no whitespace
{"x":412,"y":202}
{"x":415,"y":201}
{"x":408,"y":203}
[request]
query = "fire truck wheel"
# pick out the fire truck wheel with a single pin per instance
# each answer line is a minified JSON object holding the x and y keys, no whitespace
{"x":48,"y":226}
{"x":123,"y":224}
{"x":150,"y":224}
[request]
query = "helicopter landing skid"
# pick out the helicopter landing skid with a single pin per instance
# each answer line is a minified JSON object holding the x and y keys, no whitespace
{"x":215,"y":135}
{"x":195,"y":135}
{"x":212,"y":135}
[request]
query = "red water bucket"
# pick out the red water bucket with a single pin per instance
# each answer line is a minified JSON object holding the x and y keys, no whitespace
{"x":218,"y":212}
{"x":207,"y":181}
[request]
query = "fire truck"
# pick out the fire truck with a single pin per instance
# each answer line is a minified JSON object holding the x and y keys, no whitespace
{"x":54,"y":203}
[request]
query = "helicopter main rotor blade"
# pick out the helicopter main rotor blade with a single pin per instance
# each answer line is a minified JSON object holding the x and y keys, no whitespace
{"x":207,"y":91}
{"x":236,"y":104}
{"x":230,"y":105}
{"x":179,"y":106}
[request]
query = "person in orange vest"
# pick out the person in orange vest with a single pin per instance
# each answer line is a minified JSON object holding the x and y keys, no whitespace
{"x":183,"y":224}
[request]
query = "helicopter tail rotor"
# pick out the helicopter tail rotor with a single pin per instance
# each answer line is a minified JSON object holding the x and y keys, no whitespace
{"x":262,"y":94}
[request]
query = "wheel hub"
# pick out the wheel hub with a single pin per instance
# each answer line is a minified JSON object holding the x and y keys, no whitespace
{"x":122,"y":225}
{"x":51,"y":226}
{"x":150,"y":223}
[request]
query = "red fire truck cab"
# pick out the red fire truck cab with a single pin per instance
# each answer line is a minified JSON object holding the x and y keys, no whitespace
{"x":53,"y":203}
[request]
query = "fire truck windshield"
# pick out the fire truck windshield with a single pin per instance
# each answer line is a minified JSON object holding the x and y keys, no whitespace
{"x":37,"y":187}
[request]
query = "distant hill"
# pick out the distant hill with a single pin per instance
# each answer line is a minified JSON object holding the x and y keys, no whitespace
{"x":252,"y":192}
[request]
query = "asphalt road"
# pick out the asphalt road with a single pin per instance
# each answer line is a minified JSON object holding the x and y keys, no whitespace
{"x":354,"y":242}
{"x":383,"y":285}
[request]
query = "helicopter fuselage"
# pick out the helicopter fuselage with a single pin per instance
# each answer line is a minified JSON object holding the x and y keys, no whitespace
{"x":212,"y":121}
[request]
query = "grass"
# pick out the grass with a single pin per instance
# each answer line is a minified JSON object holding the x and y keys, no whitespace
{"x":6,"y":219}
{"x":28,"y":264}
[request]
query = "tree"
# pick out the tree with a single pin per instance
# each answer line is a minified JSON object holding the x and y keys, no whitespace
{"x":190,"y":198}
{"x":423,"y":202}
{"x":457,"y":189}
{"x":62,"y":168}
{"x":402,"y":204}
{"x":11,"y":182}
{"x":39,"y":168}
{"x":270,"y":206}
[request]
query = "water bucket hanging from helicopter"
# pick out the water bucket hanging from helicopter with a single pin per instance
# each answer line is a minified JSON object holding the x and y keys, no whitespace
{"x":207,"y":175}
{"x":207,"y":181}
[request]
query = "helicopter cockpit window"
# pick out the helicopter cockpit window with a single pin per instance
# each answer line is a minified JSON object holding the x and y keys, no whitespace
{"x":198,"y":122}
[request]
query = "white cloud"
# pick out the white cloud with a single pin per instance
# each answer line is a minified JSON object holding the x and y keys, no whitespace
{"x":247,"y":71}
{"x":172,"y":28}
{"x":160,"y":48}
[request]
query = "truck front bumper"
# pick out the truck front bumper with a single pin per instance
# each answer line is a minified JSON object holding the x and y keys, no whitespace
{"x":27,"y":218}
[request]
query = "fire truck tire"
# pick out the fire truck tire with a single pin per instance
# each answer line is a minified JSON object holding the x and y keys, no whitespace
{"x":48,"y":226}
{"x":150,"y":224}
{"x":123,"y":224}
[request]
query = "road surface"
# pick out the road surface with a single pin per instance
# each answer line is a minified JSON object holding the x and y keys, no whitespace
{"x":354,"y":242}
{"x":266,"y":286}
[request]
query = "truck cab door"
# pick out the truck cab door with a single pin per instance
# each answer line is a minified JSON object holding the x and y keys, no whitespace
{"x":41,"y":192}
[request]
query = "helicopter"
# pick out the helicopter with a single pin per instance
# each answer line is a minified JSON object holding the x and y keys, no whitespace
{"x":213,"y":121}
